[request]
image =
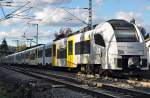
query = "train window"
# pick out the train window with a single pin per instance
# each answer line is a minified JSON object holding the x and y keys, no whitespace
{"x":77,"y":48}
{"x":54,"y":50}
{"x":65,"y":53}
{"x":18,"y":57}
{"x":36,"y":54}
{"x":27,"y":55}
{"x":126,"y":35}
{"x":32,"y":56}
{"x":86,"y":47}
{"x":39,"y":53}
{"x":70,"y":47}
{"x":99,"y":40}
{"x":82,"y":47}
{"x":48,"y":52}
{"x":61,"y":53}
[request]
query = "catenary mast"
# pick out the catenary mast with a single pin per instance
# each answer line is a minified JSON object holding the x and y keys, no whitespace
{"x":90,"y":14}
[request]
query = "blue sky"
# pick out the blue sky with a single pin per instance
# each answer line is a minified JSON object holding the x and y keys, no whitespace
{"x":52,"y":17}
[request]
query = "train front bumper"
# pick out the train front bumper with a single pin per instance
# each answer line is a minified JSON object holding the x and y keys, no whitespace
{"x":131,"y":63}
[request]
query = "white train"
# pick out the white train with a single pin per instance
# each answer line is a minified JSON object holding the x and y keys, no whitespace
{"x":112,"y":46}
{"x":147,"y":41}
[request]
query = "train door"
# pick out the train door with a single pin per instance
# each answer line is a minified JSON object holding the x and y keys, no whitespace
{"x":71,"y":52}
{"x":36,"y":57}
{"x":100,"y":49}
{"x":43,"y":55}
{"x":54,"y":57}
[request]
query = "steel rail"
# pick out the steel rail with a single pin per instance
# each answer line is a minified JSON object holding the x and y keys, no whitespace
{"x":80,"y":88}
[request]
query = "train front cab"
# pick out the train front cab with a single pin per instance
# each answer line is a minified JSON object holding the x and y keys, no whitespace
{"x":125,"y":48}
{"x":132,"y":55}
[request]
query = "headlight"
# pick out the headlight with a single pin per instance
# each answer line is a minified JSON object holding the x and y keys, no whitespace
{"x":120,"y":52}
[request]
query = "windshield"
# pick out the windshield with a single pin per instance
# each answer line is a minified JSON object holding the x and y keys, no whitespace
{"x":124,"y":31}
{"x":126,"y":35}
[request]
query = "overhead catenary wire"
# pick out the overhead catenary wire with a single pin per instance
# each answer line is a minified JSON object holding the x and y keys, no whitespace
{"x":10,"y":15}
{"x":2,"y":10}
{"x":23,"y":11}
{"x":75,"y":16}
{"x":18,"y":9}
{"x":17,"y":15}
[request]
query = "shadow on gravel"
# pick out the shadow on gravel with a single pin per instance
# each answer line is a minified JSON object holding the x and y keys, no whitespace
{"x":16,"y":85}
{"x":28,"y":89}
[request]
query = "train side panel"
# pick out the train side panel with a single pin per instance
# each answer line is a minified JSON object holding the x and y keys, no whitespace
{"x":48,"y":54}
{"x":61,"y":52}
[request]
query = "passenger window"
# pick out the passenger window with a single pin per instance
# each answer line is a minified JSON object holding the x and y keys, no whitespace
{"x":48,"y":52}
{"x":86,"y":45}
{"x":82,"y":47}
{"x":39,"y":53}
{"x":70,"y":47}
{"x":61,"y":53}
{"x":77,"y":48}
{"x":99,"y":40}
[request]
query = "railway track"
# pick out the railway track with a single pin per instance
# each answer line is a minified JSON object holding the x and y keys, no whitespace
{"x":105,"y":90}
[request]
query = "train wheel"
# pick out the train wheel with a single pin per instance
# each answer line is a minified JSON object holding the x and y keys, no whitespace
{"x":97,"y":69}
{"x":89,"y":69}
{"x":82,"y":69}
{"x":106,"y":73}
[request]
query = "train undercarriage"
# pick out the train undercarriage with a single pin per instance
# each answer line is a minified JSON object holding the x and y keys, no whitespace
{"x":127,"y":68}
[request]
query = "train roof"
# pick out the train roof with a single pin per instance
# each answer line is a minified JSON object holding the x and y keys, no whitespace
{"x":120,"y":24}
{"x":10,"y":55}
{"x":85,"y":29}
{"x":116,"y":24}
{"x":31,"y":48}
{"x":35,"y":46}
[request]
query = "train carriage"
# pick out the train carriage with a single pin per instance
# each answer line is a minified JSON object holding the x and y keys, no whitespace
{"x":112,"y":46}
{"x":79,"y":49}
{"x":35,"y":55}
{"x":31,"y":57}
{"x":115,"y":45}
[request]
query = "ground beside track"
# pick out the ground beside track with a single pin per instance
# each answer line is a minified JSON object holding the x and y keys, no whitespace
{"x":63,"y":77}
{"x":17,"y":85}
